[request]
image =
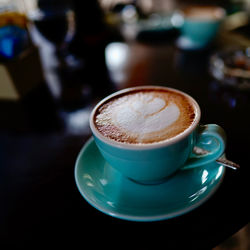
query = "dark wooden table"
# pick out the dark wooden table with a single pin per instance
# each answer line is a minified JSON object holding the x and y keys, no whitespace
{"x":41,"y":136}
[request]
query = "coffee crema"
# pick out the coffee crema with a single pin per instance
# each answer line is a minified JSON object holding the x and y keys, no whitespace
{"x":145,"y":116}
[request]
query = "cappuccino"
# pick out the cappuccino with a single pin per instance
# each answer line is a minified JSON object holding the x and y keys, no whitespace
{"x":144,"y":116}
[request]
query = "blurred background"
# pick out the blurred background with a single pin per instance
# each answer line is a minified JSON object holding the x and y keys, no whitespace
{"x":58,"y":58}
{"x":84,"y":51}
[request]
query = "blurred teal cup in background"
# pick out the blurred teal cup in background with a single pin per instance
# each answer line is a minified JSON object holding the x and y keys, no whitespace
{"x":201,"y":24}
{"x":153,"y":162}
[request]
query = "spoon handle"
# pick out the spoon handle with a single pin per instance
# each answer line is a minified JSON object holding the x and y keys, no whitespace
{"x":222,"y":160}
{"x":230,"y":164}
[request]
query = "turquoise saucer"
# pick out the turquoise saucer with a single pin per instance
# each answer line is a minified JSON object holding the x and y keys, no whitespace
{"x":113,"y":194}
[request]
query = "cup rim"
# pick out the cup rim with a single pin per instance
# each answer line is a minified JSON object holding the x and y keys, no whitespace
{"x":208,"y":20}
{"x":142,"y":146}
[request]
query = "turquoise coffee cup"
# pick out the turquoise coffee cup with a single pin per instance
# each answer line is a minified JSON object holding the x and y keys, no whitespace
{"x":201,"y":28}
{"x":150,"y":163}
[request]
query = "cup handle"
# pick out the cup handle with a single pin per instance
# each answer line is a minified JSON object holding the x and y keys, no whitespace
{"x":211,"y":138}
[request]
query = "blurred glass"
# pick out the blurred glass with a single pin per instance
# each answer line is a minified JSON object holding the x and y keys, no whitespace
{"x":55,"y":21}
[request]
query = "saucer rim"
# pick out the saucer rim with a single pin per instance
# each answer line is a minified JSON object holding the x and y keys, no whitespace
{"x":127,"y":217}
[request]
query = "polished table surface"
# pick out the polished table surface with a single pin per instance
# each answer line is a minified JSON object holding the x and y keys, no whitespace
{"x":41,"y":136}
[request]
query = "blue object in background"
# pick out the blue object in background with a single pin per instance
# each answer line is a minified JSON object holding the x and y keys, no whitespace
{"x":13,"y":40}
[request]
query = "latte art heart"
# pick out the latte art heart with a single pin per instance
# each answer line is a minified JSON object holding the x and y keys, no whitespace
{"x":146,"y":116}
{"x":146,"y":104}
{"x":151,"y":117}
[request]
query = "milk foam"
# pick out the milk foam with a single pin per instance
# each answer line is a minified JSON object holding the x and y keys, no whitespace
{"x":145,"y":114}
{"x":144,"y":117}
